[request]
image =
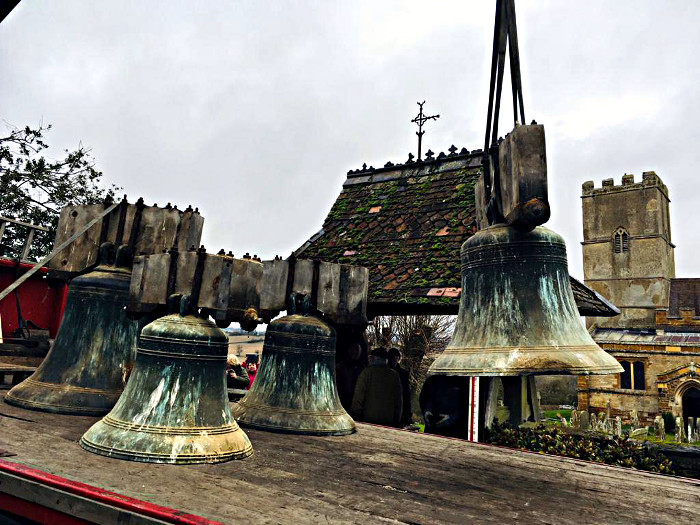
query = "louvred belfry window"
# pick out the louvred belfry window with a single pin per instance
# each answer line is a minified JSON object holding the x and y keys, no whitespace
{"x":621,"y":241}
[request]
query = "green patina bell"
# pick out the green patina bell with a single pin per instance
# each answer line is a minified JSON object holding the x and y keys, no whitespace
{"x":295,"y":390}
{"x":517,"y":314}
{"x":175,"y":407}
{"x":90,"y":360}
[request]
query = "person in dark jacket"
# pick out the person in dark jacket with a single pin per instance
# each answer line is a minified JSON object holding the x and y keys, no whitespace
{"x":444,"y":402}
{"x":378,"y":396}
{"x":346,"y":374}
{"x":236,"y":374}
{"x":394,"y":360}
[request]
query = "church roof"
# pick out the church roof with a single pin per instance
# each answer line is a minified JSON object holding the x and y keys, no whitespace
{"x":406,"y":223}
{"x":645,"y":337}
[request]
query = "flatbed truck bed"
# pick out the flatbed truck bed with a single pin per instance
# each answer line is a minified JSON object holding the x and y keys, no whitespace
{"x":377,"y":475}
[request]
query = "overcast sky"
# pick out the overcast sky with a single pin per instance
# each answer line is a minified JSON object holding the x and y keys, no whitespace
{"x":254,"y":111}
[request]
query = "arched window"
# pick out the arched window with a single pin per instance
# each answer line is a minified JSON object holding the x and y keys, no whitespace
{"x":621,"y":241}
{"x":632,"y":378}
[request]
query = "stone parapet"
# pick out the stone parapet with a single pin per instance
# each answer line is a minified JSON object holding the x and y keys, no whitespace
{"x":649,"y":180}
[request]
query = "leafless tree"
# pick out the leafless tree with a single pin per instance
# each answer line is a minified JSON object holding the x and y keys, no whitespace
{"x":415,"y":336}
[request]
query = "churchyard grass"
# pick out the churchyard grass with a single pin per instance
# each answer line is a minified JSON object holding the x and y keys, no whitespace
{"x":556,"y":414}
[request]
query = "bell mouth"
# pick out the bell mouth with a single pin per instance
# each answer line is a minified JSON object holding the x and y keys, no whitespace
{"x":286,"y":420}
{"x":69,"y":399}
{"x":518,"y":361}
{"x":118,"y":439}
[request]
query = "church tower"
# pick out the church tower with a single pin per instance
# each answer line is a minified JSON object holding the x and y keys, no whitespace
{"x":627,"y":249}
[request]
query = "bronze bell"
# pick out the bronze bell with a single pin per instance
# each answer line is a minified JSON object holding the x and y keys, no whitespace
{"x":175,"y":407}
{"x":295,"y":390}
{"x":88,"y":365}
{"x":517,"y":314}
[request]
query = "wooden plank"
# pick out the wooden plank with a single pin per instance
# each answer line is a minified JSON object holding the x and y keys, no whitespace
{"x":19,"y":350}
{"x":373,"y":476}
{"x":25,"y":224}
{"x":22,"y":360}
{"x":158,"y":230}
{"x":27,"y":245}
{"x":15,"y":368}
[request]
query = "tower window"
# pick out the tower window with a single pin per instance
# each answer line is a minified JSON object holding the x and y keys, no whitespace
{"x":621,"y":241}
{"x":632,"y":378}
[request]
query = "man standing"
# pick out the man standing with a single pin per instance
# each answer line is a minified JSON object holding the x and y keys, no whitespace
{"x":394,"y":360}
{"x":378,"y":396}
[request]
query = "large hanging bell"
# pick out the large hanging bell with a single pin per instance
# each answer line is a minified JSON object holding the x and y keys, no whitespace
{"x":89,"y":363}
{"x":175,"y":407}
{"x":517,"y":314}
{"x":295,"y":390}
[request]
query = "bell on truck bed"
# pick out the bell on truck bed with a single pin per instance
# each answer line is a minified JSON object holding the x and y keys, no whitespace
{"x":175,"y":407}
{"x":88,"y":365}
{"x":295,"y":390}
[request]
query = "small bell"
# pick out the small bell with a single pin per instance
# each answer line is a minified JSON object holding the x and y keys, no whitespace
{"x":295,"y":390}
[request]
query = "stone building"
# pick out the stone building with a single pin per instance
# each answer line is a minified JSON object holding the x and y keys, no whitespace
{"x":628,"y":258}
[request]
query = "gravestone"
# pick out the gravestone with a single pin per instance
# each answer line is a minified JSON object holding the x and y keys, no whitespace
{"x":618,"y":426}
{"x":584,"y":421}
{"x":594,"y":422}
{"x":639,"y":433}
{"x":680,"y":431}
{"x":659,"y":428}
{"x":634,"y":419}
{"x":575,"y":424}
{"x":691,"y":429}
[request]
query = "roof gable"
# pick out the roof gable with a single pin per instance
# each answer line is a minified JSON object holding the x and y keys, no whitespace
{"x":406,"y":223}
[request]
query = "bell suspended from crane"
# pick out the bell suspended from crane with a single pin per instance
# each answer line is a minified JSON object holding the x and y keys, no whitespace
{"x":295,"y":390}
{"x":517,"y":314}
{"x":175,"y":407}
{"x":88,"y":365}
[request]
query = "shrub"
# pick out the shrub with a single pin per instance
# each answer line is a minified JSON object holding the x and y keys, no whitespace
{"x":553,"y":440}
